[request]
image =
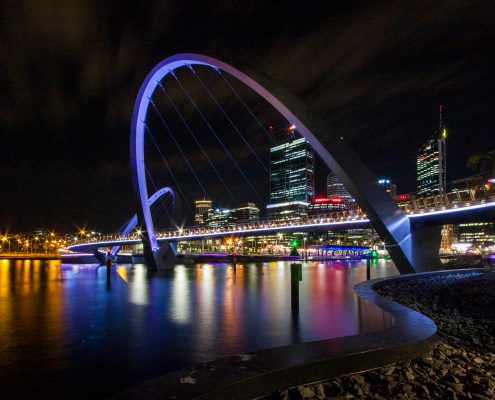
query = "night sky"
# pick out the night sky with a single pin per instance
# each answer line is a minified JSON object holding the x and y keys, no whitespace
{"x":377,"y":73}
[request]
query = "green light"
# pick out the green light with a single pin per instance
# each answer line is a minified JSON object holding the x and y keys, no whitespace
{"x":374,"y":254}
{"x":294,"y":244}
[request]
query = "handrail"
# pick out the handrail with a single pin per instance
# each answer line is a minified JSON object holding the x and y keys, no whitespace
{"x":473,"y":196}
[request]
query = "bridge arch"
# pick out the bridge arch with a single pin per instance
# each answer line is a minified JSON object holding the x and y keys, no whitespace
{"x":404,"y":241}
{"x":132,"y":223}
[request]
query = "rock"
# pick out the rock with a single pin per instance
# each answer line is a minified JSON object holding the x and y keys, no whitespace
{"x":427,"y":360}
{"x":461,"y":306}
{"x":244,"y":357}
{"x":307,"y":391}
{"x":284,"y":394}
{"x":406,"y":388}
{"x":188,"y":379}
{"x":320,"y":391}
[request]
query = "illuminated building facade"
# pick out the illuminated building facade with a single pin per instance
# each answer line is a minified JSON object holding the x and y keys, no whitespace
{"x":389,"y":187}
{"x":476,"y":233}
{"x":336,"y":189}
{"x":220,"y":219}
{"x":247,"y":212}
{"x":447,"y":239}
{"x":292,"y":172}
{"x":228,"y":218}
{"x":291,"y":176}
{"x":325,"y":205}
{"x":292,"y":209}
{"x":431,"y":167}
{"x":201,"y":209}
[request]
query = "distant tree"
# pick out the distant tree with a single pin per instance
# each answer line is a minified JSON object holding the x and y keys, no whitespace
{"x":483,"y":162}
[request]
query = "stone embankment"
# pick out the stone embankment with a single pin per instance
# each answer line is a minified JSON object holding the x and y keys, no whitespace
{"x":468,"y":262}
{"x":462,"y":365}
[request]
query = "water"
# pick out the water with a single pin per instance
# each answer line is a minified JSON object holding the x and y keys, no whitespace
{"x":65,"y":332}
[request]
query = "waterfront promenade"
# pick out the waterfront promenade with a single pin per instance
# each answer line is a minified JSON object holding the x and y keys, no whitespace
{"x":461,"y":365}
{"x":30,"y":256}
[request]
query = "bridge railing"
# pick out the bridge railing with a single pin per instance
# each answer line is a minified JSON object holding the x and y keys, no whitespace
{"x":461,"y":198}
{"x":268,"y":224}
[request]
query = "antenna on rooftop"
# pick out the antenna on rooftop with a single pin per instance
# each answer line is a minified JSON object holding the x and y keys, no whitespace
{"x":440,"y":126}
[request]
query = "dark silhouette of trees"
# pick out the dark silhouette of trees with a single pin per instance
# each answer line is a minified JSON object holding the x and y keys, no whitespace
{"x":483,"y":163}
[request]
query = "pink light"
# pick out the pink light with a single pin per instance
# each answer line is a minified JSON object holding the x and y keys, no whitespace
{"x":327,"y":200}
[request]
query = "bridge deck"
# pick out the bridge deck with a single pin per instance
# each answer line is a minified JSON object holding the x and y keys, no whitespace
{"x":441,"y":214}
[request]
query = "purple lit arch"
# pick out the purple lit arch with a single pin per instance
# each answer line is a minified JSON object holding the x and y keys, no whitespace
{"x":411,"y":247}
{"x":132,"y":223}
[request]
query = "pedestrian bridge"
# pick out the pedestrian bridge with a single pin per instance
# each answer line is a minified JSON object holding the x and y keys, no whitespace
{"x":161,"y":125}
{"x":476,"y":204}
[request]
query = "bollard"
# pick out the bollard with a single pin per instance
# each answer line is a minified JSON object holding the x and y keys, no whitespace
{"x":295,"y":278}
{"x":295,"y":274}
{"x":109,"y":265}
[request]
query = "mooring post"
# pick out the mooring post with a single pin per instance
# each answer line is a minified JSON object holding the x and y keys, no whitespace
{"x":108,"y":267}
{"x":295,"y":278}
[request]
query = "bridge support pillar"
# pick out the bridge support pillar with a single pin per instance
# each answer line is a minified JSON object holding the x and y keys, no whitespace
{"x":99,"y":256}
{"x":417,"y":249}
{"x":162,"y":259}
{"x":426,"y":241}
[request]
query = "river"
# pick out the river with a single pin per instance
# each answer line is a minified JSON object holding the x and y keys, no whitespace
{"x":66,"y":331}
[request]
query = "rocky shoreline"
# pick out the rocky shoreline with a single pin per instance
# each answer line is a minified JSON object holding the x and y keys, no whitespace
{"x":462,"y":365}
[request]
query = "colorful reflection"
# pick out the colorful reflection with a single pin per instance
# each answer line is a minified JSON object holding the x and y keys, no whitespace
{"x":69,"y":327}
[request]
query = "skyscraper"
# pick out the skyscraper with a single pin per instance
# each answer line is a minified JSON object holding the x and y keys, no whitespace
{"x":247,"y":212}
{"x":335,"y":188}
{"x":390,"y":188}
{"x":291,"y":175}
{"x":220,"y":219}
{"x":202,"y":208}
{"x":431,"y":164}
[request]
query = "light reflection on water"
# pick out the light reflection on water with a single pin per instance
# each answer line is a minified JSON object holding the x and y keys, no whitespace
{"x":65,"y":326}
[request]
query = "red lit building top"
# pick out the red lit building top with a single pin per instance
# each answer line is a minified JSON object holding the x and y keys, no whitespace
{"x":325,"y":205}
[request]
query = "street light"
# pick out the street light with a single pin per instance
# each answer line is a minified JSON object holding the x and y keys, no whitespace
{"x":5,"y":239}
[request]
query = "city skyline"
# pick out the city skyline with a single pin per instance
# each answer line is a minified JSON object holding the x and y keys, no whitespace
{"x":376,"y":74}
{"x":247,"y":199}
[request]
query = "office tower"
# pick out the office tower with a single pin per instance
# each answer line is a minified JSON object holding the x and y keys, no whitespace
{"x":336,"y":189}
{"x":326,"y":205}
{"x":389,"y":187}
{"x":477,"y":234}
{"x":220,"y":219}
{"x":291,"y":176}
{"x":202,"y":208}
{"x":247,"y":212}
{"x":431,"y":163}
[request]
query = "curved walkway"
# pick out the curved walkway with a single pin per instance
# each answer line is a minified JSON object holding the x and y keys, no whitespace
{"x":255,"y":374}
